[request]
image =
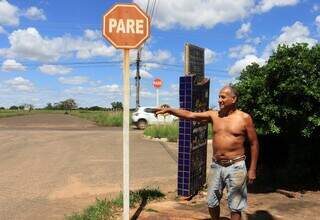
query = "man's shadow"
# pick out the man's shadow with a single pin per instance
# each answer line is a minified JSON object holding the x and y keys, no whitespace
{"x":260,"y":215}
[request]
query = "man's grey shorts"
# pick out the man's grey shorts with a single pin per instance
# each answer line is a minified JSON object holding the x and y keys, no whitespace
{"x":234,"y":177}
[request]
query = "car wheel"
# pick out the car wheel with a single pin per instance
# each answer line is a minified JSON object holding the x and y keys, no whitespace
{"x":142,"y":124}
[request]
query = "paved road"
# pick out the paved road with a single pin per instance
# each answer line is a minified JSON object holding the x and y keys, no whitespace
{"x":53,"y":165}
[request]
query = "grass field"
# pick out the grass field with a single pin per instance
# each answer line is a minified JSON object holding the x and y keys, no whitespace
{"x":104,"y":118}
{"x":170,"y":131}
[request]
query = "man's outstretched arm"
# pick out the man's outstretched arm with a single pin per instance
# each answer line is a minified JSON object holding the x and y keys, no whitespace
{"x":181,"y":113}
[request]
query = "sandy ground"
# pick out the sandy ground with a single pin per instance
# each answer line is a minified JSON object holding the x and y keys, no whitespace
{"x":261,"y":206}
{"x":54,"y":165}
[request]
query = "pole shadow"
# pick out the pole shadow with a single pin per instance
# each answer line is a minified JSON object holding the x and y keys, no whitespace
{"x":139,"y":210}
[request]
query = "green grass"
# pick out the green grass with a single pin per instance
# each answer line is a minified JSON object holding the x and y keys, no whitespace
{"x":104,"y":118}
{"x":11,"y":113}
{"x":107,"y":209}
{"x":100,"y":210}
{"x":169,"y":131}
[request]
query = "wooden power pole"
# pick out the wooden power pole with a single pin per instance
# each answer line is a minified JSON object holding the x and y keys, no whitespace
{"x":137,"y":78}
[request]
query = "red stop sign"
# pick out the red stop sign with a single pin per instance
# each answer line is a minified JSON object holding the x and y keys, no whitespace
{"x":126,"y":26}
{"x":157,"y":83}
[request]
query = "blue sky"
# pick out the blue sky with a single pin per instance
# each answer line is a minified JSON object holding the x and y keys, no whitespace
{"x":51,"y":50}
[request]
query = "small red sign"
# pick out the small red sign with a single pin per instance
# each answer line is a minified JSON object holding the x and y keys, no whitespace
{"x":157,"y":83}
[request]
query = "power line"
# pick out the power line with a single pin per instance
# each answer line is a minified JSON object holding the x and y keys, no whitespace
{"x":181,"y":66}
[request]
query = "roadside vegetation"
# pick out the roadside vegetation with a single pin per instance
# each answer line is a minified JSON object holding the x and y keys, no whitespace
{"x":104,"y":118}
{"x":169,"y":131}
{"x":105,"y":209}
{"x":11,"y":113}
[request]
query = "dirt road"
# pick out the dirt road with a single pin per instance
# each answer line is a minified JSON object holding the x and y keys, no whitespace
{"x":53,"y":165}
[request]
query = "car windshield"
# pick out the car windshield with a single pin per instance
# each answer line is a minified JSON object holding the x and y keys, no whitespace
{"x":150,"y":110}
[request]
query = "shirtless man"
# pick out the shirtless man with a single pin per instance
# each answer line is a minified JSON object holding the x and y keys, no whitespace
{"x":230,"y":128}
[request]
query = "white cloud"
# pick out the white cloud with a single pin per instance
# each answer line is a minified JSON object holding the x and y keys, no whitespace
{"x":243,"y":31}
{"x":20,"y":84}
{"x":147,"y":94}
{"x":54,"y":69}
{"x":315,"y":8}
{"x":28,"y":43}
{"x":208,"y":13}
{"x":267,"y":5}
{"x":297,"y":33}
{"x":156,"y":56}
{"x":194,"y":13}
{"x":174,"y":87}
{"x":12,"y":65}
{"x":2,"y":30}
{"x":114,"y":88}
{"x":241,"y":51}
{"x":152,"y":59}
{"x":255,"y":40}
{"x":317,"y":20}
{"x":92,"y":34}
{"x":150,"y":66}
{"x":8,"y":14}
{"x":34,"y":13}
{"x":100,"y":90}
{"x":74,"y":80}
{"x":143,"y":74}
{"x":241,"y":64}
{"x":209,"y":56}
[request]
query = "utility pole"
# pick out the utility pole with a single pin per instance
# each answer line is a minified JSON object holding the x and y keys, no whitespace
{"x":137,"y":78}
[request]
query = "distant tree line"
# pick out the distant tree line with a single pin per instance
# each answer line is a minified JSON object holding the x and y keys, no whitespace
{"x":68,"y":105}
{"x":28,"y":107}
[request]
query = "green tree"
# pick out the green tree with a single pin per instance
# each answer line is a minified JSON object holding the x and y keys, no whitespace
{"x":14,"y":107}
{"x":116,"y":105}
{"x":283,"y":97}
{"x":68,"y":104}
{"x":49,"y":106}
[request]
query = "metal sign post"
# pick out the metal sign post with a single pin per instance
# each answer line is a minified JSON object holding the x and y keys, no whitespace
{"x":157,"y":97}
{"x":126,"y":102}
{"x":157,"y":83}
{"x":126,"y":27}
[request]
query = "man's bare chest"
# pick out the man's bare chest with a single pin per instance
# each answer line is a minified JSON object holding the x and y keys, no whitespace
{"x":229,"y":125}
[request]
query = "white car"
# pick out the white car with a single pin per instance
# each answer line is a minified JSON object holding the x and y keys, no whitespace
{"x":144,"y":116}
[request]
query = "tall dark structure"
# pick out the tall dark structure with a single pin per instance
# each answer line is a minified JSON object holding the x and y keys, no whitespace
{"x":138,"y":77}
{"x":193,"y":96}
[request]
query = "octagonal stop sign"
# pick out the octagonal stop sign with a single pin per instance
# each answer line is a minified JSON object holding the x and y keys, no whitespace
{"x":157,"y":83}
{"x":126,"y":26}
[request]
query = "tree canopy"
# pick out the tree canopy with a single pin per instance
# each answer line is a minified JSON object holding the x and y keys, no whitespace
{"x":117,"y":105}
{"x":283,"y":96}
